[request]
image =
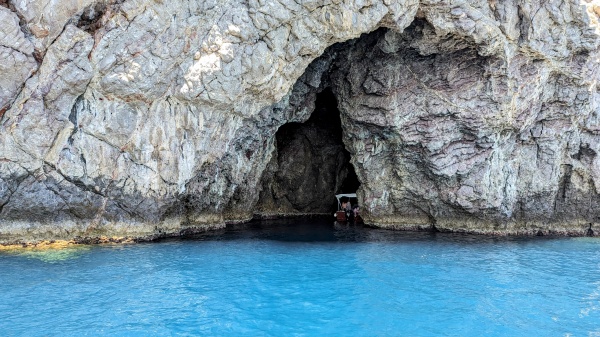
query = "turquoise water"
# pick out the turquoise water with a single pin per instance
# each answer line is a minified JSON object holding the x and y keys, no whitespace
{"x":296,"y":278}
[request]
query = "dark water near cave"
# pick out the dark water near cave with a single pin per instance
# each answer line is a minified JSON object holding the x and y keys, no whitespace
{"x":307,"y":278}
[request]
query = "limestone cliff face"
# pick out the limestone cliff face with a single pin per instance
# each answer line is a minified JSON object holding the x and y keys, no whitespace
{"x":444,"y":136}
{"x":149,"y":117}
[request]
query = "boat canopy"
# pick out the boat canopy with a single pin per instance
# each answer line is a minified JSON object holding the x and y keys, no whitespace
{"x":347,"y":195}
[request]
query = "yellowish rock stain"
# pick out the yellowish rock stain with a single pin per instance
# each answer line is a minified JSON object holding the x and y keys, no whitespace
{"x":63,"y":244}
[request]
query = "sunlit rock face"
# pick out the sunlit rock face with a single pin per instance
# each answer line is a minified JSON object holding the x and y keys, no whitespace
{"x":148,"y":118}
{"x":444,"y":137}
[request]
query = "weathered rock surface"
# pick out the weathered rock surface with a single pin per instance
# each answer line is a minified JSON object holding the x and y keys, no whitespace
{"x":143,"y":118}
{"x":16,"y":53}
{"x":463,"y":142}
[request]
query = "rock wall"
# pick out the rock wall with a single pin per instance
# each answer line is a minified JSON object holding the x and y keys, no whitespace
{"x":457,"y":141}
{"x":146,"y":118}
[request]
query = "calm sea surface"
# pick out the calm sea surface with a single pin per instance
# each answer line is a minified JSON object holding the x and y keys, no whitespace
{"x":307,"y":277}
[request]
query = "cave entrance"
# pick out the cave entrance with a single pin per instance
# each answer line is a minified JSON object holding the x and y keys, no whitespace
{"x":311,"y":165}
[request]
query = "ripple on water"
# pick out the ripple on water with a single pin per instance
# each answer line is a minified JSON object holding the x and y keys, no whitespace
{"x":295,"y":278}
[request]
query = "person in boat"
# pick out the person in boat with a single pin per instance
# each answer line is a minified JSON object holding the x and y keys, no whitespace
{"x":345,"y":206}
{"x":348,"y":207}
{"x":349,"y":211}
{"x":356,"y":214}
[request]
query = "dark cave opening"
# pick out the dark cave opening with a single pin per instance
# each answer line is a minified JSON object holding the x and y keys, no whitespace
{"x":312,"y":164}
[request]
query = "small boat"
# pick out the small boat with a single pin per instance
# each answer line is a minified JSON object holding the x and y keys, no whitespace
{"x":342,"y":215}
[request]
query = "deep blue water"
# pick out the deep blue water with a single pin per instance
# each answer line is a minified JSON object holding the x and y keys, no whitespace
{"x":314,"y":279}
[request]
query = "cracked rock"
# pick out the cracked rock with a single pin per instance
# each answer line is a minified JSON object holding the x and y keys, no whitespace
{"x":150,"y":118}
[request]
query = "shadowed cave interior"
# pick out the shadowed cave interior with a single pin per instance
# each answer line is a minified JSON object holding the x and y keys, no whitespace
{"x":311,"y":164}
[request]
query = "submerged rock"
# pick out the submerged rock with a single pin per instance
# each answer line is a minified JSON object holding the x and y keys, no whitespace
{"x":145,"y":118}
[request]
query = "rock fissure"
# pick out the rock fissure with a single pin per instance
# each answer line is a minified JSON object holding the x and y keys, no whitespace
{"x":11,"y":191}
{"x":95,"y":16}
{"x":79,"y":183}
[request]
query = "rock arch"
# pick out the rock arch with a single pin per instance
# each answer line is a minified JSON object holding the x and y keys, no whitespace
{"x":310,"y":164}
